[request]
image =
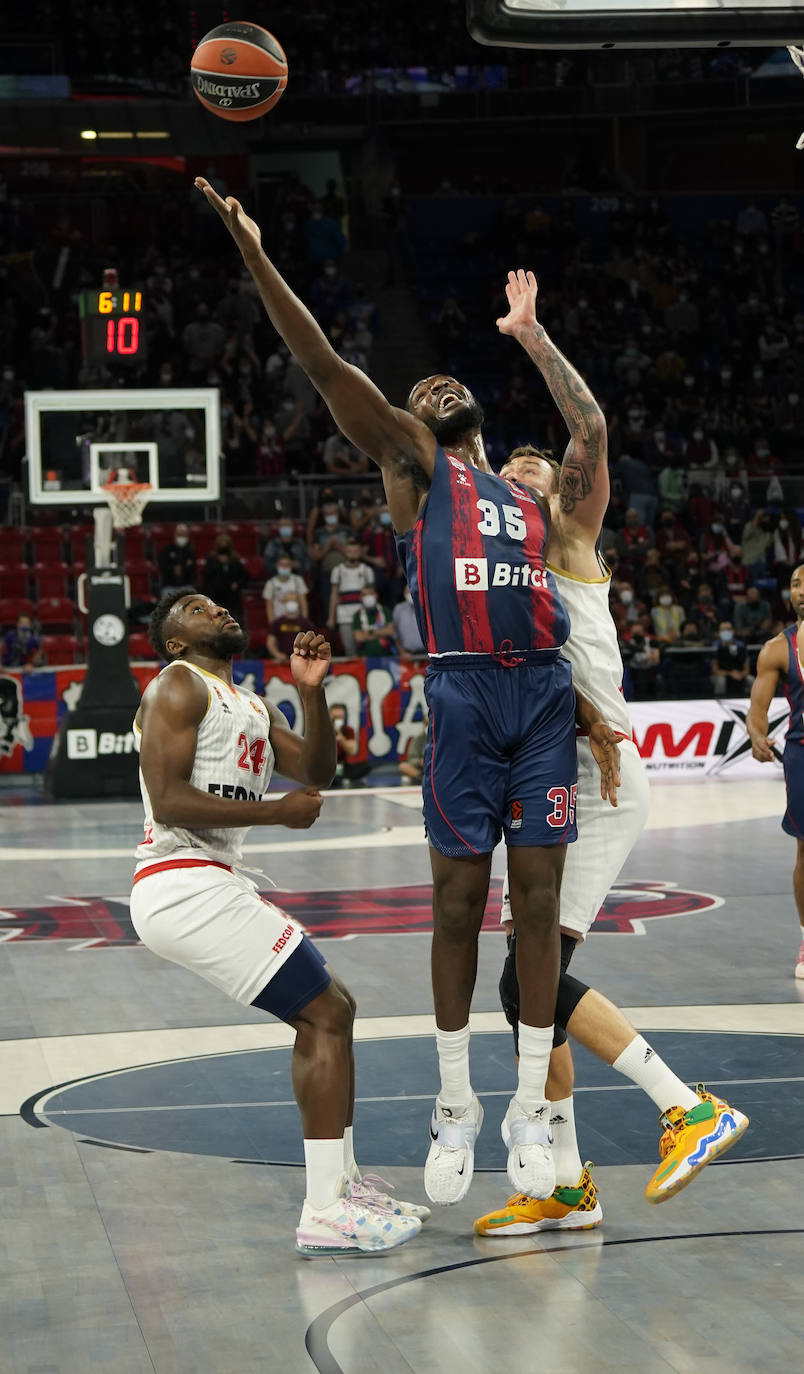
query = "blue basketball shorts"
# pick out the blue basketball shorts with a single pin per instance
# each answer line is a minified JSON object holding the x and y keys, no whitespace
{"x":500,"y":756}
{"x":793,"y":819}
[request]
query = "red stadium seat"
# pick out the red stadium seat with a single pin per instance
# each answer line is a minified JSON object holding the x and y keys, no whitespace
{"x":76,"y":539}
{"x":140,"y":576}
{"x":15,"y":579}
{"x":203,"y":538}
{"x":56,"y":613}
{"x":13,"y":545}
{"x":256,"y":568}
{"x":245,"y":537}
{"x":140,"y":646}
{"x":134,"y":541}
{"x":60,"y":648}
{"x":256,"y":640}
{"x":254,"y":609}
{"x":13,"y":606}
{"x":47,"y":543}
{"x":159,"y":535}
{"x":51,"y":578}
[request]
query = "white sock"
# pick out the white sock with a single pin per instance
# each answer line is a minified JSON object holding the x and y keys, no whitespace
{"x":643,"y":1066}
{"x":323,"y":1161}
{"x":349,"y":1166}
{"x":453,"y":1063}
{"x":535,"y":1048}
{"x":565,"y":1145}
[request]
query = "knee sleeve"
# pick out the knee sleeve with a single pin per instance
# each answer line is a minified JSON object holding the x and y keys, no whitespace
{"x":509,"y":989}
{"x":570,"y":992}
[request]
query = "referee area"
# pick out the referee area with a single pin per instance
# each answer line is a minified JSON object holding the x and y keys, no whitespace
{"x":152,"y":1155}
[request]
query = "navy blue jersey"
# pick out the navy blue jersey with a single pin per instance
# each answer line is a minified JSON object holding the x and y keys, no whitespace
{"x":794,"y":688}
{"x":475,"y":565}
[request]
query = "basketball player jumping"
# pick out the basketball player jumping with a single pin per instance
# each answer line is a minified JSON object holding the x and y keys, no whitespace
{"x":698,"y":1126}
{"x":500,"y":754}
{"x":780,"y":661}
{"x":208,"y":750}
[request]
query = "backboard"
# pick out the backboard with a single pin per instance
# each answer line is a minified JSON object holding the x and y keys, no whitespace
{"x":169,"y":437}
{"x":636,"y":23}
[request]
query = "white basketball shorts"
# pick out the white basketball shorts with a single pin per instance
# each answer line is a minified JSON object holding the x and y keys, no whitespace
{"x":606,"y":836}
{"x":211,"y":920}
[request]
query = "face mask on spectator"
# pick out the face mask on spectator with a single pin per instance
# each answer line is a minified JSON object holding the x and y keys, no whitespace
{"x":727,"y":636}
{"x":181,"y":541}
{"x":338,"y":723}
{"x":292,"y":608}
{"x":331,"y":519}
{"x":385,"y":518}
{"x":736,"y":493}
{"x":785,"y":594}
{"x":697,"y":435}
{"x":783,"y":525}
{"x":285,"y":531}
{"x":725,"y":374}
{"x":665,"y":600}
{"x":283,"y":571}
{"x":626,"y":596}
{"x":369,"y":602}
{"x":793,"y":398}
{"x":8,"y":374}
{"x":717,"y":528}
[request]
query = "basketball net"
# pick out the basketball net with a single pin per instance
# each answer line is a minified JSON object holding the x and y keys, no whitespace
{"x":797,"y":54}
{"x":125,"y":503}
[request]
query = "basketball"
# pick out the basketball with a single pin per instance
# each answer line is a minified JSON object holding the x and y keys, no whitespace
{"x":239,"y":71}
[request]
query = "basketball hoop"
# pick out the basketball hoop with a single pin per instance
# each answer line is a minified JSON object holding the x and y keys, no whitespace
{"x":127,"y":501}
{"x":797,"y":54}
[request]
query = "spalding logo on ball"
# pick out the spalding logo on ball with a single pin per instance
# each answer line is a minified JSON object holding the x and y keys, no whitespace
{"x":239,"y":71}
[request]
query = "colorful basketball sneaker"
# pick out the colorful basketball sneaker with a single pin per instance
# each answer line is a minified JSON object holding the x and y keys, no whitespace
{"x":526,"y":1136}
{"x":346,"y":1227}
{"x":370,"y":1191}
{"x":691,"y":1140}
{"x":450,"y":1160}
{"x":800,"y":961}
{"x":567,"y":1209}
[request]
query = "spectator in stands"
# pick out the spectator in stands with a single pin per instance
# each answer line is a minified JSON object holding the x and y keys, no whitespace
{"x":342,"y":459}
{"x":736,"y":512}
{"x":349,"y":769}
{"x":270,"y":458}
{"x":636,"y":537}
{"x":704,"y":612}
{"x":203,"y":342}
{"x":286,"y":541}
{"x":673,"y":485}
{"x":347,"y":582}
{"x":755,"y":541}
{"x":408,"y":636}
{"x":672,"y":539}
{"x":327,"y":534}
{"x":651,"y":577}
{"x":21,"y":648}
{"x":730,"y":672}
{"x":379,"y":550}
{"x":639,"y":488}
{"x":372,"y":627}
{"x":667,"y":617}
{"x":785,"y":553}
{"x":225,"y":576}
{"x":283,"y":589}
{"x":642,"y":656}
{"x":282,"y":632}
{"x":411,"y":766}
{"x":752,"y":617}
{"x":293,"y":428}
{"x":177,"y":561}
{"x":325,"y":238}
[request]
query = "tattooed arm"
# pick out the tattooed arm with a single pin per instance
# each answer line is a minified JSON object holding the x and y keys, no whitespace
{"x":584,"y":479}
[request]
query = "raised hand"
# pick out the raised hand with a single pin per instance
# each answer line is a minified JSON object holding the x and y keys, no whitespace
{"x":243,"y":230}
{"x":309,"y":662}
{"x":521,"y":290}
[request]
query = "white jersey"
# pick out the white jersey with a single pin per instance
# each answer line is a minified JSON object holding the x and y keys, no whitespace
{"x":592,"y":646}
{"x":233,"y":758}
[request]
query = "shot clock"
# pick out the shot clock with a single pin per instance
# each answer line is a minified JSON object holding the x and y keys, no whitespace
{"x":112,"y":326}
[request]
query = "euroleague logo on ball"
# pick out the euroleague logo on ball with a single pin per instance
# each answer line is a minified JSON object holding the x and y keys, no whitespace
{"x":262,"y":71}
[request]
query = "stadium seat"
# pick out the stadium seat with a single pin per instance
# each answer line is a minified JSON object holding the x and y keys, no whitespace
{"x":140,"y":646}
{"x":256,"y":640}
{"x":76,"y":540}
{"x":14,"y":579}
{"x":140,"y":576}
{"x":203,"y":538}
{"x":13,"y":606}
{"x":256,"y":568}
{"x":245,"y":537}
{"x":159,"y":535}
{"x":60,"y":648}
{"x":47,"y":543}
{"x":14,"y":544}
{"x":51,"y":578}
{"x":56,"y":613}
{"x":254,"y":609}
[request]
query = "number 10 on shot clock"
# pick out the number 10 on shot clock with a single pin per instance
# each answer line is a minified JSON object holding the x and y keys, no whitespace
{"x":112,"y":326}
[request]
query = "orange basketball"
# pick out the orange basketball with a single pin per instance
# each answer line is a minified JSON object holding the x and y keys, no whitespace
{"x":239,"y":71}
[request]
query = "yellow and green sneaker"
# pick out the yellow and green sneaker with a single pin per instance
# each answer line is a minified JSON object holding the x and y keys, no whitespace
{"x":567,"y":1209}
{"x":691,"y":1140}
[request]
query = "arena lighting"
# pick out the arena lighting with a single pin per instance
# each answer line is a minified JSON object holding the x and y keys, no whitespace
{"x":89,"y":133}
{"x":152,"y":133}
{"x":112,"y":133}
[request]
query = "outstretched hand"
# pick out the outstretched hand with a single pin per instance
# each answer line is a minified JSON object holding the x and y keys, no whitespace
{"x":243,"y":230}
{"x":521,"y":290}
{"x":310,"y":660}
{"x":606,"y":753}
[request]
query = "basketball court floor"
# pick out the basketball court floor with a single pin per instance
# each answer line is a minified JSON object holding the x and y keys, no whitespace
{"x":151,"y":1158}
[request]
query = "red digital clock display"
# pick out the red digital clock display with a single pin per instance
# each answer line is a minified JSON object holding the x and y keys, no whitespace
{"x":112,"y":326}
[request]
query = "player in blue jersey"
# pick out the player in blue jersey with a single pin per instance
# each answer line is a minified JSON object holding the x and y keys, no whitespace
{"x":500,"y":757}
{"x":780,"y":662}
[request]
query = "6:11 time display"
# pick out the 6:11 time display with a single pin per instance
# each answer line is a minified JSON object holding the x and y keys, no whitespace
{"x":112,"y":326}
